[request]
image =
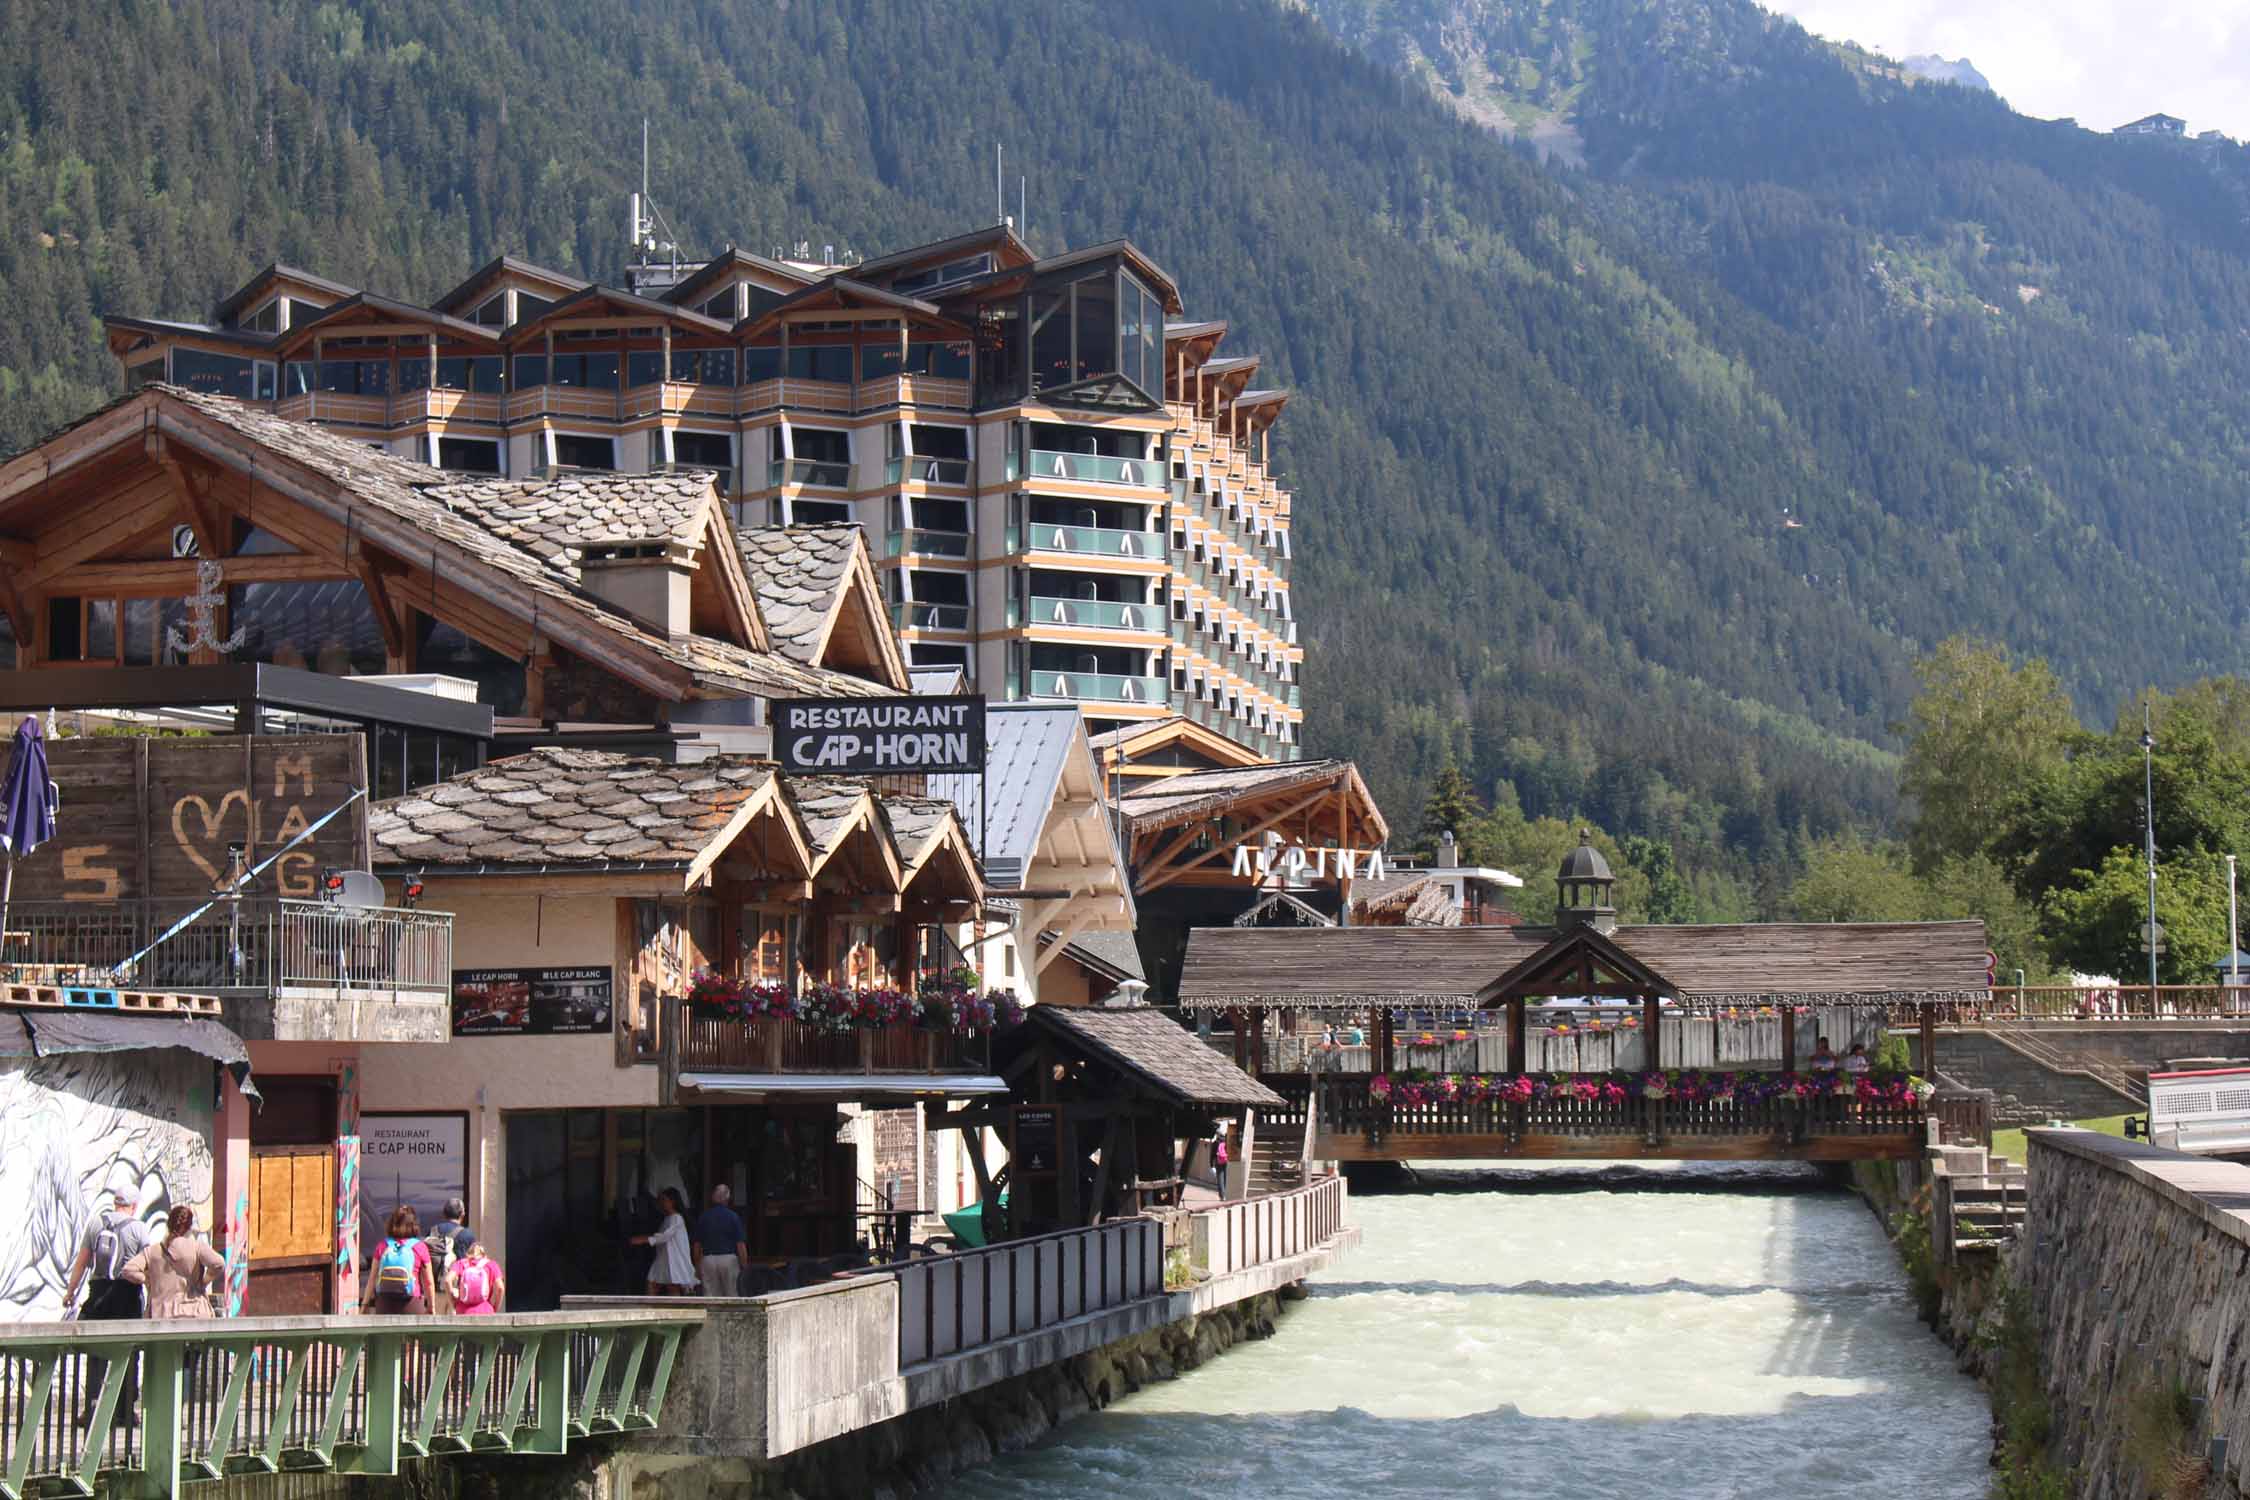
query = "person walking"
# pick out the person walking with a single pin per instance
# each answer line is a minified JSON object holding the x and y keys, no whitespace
{"x":114,"y":1237}
{"x":672,"y":1273}
{"x":398,"y":1279}
{"x":720,"y":1251}
{"x":444,"y":1242}
{"x":475,"y":1286}
{"x":180,"y":1274}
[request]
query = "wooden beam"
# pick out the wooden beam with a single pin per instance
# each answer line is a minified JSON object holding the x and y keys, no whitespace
{"x":136,"y":519}
{"x":1052,"y":951}
{"x":185,"y":490}
{"x":1168,"y":876}
{"x":176,"y":578}
{"x":390,"y":618}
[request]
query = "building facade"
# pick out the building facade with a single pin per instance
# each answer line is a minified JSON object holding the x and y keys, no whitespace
{"x":1066,"y":489}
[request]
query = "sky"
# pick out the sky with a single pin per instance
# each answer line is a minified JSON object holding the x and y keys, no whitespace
{"x":2102,"y":61}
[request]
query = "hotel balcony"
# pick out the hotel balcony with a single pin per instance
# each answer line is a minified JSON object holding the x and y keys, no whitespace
{"x":285,"y":971}
{"x":926,"y":470}
{"x":915,"y":614}
{"x":1084,"y":541}
{"x":1094,"y":687}
{"x":1098,"y":468}
{"x":920,"y":543}
{"x":816,"y":472}
{"x":1094,"y":614}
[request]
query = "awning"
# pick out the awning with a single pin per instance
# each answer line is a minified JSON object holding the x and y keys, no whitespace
{"x":846,"y":1085}
{"x":51,"y":1033}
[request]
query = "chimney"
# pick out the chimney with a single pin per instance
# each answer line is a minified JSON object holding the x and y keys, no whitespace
{"x":648,"y":580}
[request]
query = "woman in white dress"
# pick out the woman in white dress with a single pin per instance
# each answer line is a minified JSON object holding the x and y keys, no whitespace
{"x":672,"y":1273}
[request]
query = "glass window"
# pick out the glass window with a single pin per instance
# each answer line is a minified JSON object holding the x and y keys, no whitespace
{"x":265,"y":379}
{"x":704,"y":366}
{"x":1097,"y":327}
{"x":643,"y":366}
{"x":492,"y":312}
{"x":141,"y":374}
{"x":301,"y":312}
{"x":458,"y":373}
{"x":101,"y":630}
{"x":1050,"y":338}
{"x":322,"y":627}
{"x":949,"y":361}
{"x":469,"y":455}
{"x":297,"y":377}
{"x":356,"y":377}
{"x":761,"y":362}
{"x":528,"y":306}
{"x":141,"y":638}
{"x":879,"y":360}
{"x":596,"y":372}
{"x":266,"y":319}
{"x":720,"y":307}
{"x":1152,"y":346}
{"x":574,"y":451}
{"x":1129,"y":335}
{"x":707,"y":450}
{"x":531,"y":370}
{"x":499,"y":679}
{"x":821,"y":362}
{"x":216,"y":374}
{"x":999,"y":365}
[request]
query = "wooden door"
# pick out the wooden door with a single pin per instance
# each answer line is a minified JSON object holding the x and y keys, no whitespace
{"x":292,"y":1229}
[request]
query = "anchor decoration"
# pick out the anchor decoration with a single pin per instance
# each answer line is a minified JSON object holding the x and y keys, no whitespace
{"x":200,"y":635}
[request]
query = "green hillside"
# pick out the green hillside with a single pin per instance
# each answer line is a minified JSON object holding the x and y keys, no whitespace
{"x":1553,"y":424}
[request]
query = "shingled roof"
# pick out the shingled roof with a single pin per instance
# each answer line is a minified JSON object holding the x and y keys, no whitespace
{"x":1166,"y":801}
{"x":559,"y":806}
{"x":799,"y":573}
{"x":1442,"y":967}
{"x":557,"y":519}
{"x":1161,"y":1052}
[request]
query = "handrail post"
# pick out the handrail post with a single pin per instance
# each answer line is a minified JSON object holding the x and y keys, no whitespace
{"x":163,"y":1436}
{"x":384,"y":1356}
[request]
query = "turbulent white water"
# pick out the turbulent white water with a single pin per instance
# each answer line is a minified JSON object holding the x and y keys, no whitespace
{"x":1558,"y":1338}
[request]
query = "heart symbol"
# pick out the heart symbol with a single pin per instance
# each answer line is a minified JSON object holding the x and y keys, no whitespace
{"x":212,"y":821}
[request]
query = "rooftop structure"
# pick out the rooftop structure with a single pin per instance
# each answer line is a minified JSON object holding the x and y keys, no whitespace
{"x":1068,"y":491}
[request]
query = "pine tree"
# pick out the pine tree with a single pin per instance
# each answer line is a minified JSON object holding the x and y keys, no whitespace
{"x":1452,"y":807}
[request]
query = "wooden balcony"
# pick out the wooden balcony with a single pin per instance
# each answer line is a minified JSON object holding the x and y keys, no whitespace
{"x":717,"y":1044}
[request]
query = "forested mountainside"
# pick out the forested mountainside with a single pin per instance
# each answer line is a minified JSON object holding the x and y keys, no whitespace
{"x":1637,"y":488}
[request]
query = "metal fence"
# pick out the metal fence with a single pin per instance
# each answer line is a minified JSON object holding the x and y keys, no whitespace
{"x":177,"y":1401}
{"x":261,"y":945}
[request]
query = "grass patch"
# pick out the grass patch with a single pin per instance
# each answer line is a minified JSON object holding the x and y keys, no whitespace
{"x":2009,"y":1143}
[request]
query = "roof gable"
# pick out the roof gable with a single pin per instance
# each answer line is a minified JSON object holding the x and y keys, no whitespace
{"x":822,"y":603}
{"x":1160,"y":1054}
{"x":506,"y":270}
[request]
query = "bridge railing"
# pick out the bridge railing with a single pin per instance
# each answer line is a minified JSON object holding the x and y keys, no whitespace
{"x":950,"y":1303}
{"x":181,"y":1400}
{"x":1258,"y":1231}
{"x":2071,"y":1003}
{"x":1348,"y":1105}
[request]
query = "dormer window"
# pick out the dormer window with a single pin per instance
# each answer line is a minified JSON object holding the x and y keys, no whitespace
{"x":724,"y":306}
{"x":492,"y":312}
{"x":266,"y":319}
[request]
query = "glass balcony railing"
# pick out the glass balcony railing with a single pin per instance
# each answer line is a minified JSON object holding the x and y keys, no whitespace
{"x":1096,"y":687}
{"x":927,"y":470}
{"x":1098,"y":468}
{"x":1095,"y":541}
{"x":916,"y":614}
{"x":926,"y":544}
{"x":1102,"y":614}
{"x":813,"y":471}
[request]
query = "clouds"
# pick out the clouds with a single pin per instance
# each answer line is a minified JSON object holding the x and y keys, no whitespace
{"x":2103,"y":61}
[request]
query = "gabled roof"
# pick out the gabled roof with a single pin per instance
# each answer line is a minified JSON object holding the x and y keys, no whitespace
{"x":840,"y":292}
{"x":938,"y":682}
{"x":364,"y":303}
{"x":998,"y":238}
{"x":1119,"y":748}
{"x":705,"y":278}
{"x":818,"y":592}
{"x":561,"y":283}
{"x":1159,"y":279}
{"x":586,"y":299}
{"x":1169,"y":801}
{"x":114,"y":323}
{"x":1027,"y":746}
{"x":276,"y":271}
{"x":561,"y":807}
{"x":838,"y":812}
{"x":1160,"y":1053}
{"x":1116,"y":956}
{"x":1260,"y":409}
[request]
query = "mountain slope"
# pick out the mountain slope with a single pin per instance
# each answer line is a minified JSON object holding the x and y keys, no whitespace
{"x":1552,"y":431}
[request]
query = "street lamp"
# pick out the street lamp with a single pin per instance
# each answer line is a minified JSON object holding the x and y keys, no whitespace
{"x":2148,"y":826}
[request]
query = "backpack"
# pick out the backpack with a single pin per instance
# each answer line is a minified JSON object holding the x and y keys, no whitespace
{"x":109,"y":1247}
{"x":394,"y":1272}
{"x":440,"y":1243}
{"x":476,"y":1284}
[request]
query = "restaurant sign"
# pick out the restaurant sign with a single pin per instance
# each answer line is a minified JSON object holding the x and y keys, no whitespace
{"x":869,"y":736}
{"x":1295,"y":864}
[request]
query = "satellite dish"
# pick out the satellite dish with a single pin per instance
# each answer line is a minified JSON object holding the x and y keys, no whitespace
{"x":360,"y":889}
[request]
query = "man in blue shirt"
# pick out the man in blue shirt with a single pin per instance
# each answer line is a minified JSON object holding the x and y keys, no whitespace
{"x":719,"y":1247}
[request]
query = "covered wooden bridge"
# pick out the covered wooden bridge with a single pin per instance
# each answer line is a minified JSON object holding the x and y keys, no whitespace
{"x":1402,"y":1103}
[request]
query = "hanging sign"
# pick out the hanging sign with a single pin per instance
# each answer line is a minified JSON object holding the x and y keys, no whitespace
{"x":870,"y":736}
{"x":1295,"y":863}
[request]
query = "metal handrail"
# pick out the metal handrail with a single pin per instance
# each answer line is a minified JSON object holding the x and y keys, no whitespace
{"x":251,"y":944}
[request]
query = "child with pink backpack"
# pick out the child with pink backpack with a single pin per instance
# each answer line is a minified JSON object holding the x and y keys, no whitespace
{"x":474,"y":1279}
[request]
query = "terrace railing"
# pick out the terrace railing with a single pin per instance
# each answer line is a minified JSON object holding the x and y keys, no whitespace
{"x":1258,"y":1231}
{"x":260,"y":946}
{"x":714,"y":1043}
{"x":274,"y":1395}
{"x":2070,"y":1003}
{"x":951,"y":1303}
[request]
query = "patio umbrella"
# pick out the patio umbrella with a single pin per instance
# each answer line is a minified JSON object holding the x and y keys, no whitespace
{"x":28,"y":803}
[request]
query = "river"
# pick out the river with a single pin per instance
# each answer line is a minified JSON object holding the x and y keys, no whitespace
{"x":1540,"y":1335}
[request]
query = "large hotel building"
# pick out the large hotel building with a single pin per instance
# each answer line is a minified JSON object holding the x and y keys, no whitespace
{"x":1066,"y":485}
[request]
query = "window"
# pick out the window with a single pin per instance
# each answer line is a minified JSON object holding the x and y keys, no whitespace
{"x":769,"y":947}
{"x":121,"y":632}
{"x":215,"y":374}
{"x":531,"y":370}
{"x":831,"y":362}
{"x":469,"y":455}
{"x":721,"y":306}
{"x":441,"y":648}
{"x":761,"y":362}
{"x":643,"y":366}
{"x":356,"y":377}
{"x":1050,"y":337}
{"x":999,"y":348}
{"x":492,"y":312}
{"x":591,"y":371}
{"x":1096,"y":322}
{"x":454,"y":373}
{"x":576,"y":452}
{"x":322,"y":627}
{"x":820,"y":513}
{"x":266,"y":319}
{"x":141,"y":374}
{"x":706,"y":450}
{"x":704,"y":366}
{"x":529,"y":306}
{"x":924,"y":654}
{"x":299,"y":311}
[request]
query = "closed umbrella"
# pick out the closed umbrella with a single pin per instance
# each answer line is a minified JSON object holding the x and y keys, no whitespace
{"x":28,"y":802}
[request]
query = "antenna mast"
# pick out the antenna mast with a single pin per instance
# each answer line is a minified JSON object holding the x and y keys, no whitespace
{"x":999,"y":200}
{"x":647,"y":218}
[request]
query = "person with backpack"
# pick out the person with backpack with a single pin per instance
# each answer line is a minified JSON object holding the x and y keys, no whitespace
{"x":444,"y":1240}
{"x":398,"y":1279}
{"x":114,"y":1238}
{"x":474,"y":1282}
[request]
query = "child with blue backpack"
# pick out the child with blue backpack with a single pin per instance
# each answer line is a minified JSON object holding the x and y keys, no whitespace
{"x":398,"y":1276}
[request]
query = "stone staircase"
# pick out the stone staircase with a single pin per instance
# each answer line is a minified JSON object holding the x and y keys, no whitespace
{"x":2033,"y":1080}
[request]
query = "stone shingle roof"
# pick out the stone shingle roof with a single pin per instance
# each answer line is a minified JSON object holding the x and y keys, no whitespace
{"x":557,"y":519}
{"x":561,"y":806}
{"x":915,"y":822}
{"x":1159,"y":1051}
{"x":825,"y":804}
{"x":798,"y":573}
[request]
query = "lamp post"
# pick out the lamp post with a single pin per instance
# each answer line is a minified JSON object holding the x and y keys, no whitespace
{"x":2148,"y":825}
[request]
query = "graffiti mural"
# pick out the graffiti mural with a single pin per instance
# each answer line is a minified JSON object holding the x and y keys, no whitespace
{"x":74,"y":1127}
{"x":347,"y":1186}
